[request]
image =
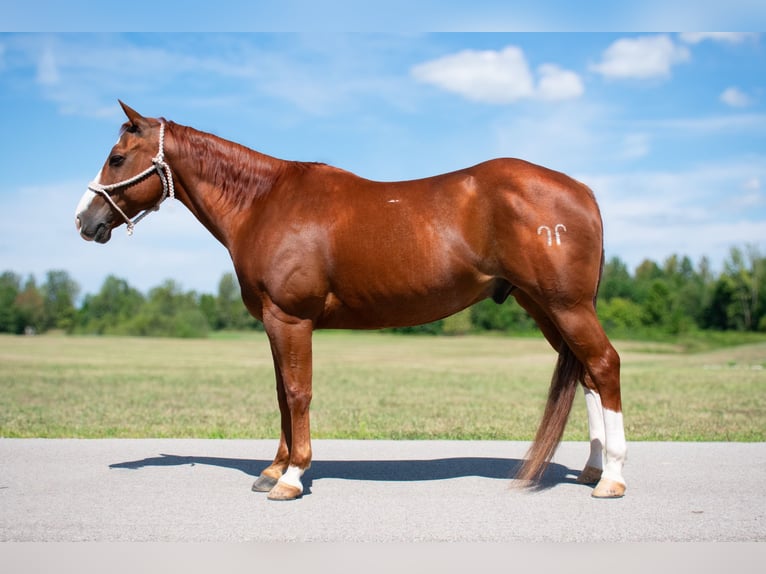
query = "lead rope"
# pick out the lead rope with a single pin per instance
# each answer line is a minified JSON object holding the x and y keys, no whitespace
{"x":160,"y":166}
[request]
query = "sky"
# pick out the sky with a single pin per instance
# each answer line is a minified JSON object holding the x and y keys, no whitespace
{"x":668,"y":129}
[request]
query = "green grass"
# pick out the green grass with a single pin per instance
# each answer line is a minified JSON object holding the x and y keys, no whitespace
{"x":366,"y":385}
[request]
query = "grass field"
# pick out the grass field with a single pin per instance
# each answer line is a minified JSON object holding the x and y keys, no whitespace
{"x":366,"y":385}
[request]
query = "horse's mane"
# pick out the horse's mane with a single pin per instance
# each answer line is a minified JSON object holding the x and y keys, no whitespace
{"x":240,"y":173}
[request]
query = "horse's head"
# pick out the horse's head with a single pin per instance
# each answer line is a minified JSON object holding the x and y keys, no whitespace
{"x":127,"y":183}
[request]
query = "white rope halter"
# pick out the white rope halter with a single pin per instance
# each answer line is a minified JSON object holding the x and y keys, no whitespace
{"x":159,"y":165}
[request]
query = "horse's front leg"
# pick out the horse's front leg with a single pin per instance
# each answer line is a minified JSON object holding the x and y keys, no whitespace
{"x":270,"y":475}
{"x":291,"y":346}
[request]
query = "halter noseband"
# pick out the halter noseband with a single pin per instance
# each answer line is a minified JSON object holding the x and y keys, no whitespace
{"x":159,"y":165}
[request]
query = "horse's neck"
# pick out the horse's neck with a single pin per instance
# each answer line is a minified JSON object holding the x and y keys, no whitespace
{"x":221,"y":181}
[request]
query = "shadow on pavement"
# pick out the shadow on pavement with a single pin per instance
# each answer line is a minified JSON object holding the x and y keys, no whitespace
{"x":408,"y":470}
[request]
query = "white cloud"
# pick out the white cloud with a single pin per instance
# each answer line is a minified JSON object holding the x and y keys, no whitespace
{"x":47,"y":69}
{"x":558,"y":84}
{"x":484,"y":76}
{"x":727,"y":37}
{"x":642,"y":58}
{"x":735,"y":97}
{"x":498,"y":77}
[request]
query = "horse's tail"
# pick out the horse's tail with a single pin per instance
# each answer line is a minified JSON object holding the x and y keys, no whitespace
{"x":569,"y":371}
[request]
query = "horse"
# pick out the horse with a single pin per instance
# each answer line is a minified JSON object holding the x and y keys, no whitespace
{"x":316,"y":247}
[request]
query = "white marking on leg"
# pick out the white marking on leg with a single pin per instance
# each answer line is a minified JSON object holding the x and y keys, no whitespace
{"x":293,"y":477}
{"x":616,"y":447}
{"x":596,"y":428}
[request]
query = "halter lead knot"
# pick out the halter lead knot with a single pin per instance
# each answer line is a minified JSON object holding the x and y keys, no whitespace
{"x":160,"y":166}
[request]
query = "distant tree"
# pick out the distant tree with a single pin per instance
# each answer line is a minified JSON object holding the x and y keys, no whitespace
{"x":208,"y":307}
{"x":694,"y":295}
{"x":648,"y":271}
{"x":621,"y":315}
{"x":433,"y":328}
{"x":737,"y":293}
{"x":111,"y":309}
{"x":231,"y":311}
{"x":30,"y":306}
{"x":458,"y":324}
{"x":59,"y":295}
{"x":10,"y":285}
{"x":717,"y":314}
{"x":760,"y":308}
{"x":509,"y":316}
{"x":688,"y":292}
{"x":657,"y":308}
{"x":645,"y":275}
{"x":229,"y":302}
{"x":170,"y":312}
{"x":616,"y":281}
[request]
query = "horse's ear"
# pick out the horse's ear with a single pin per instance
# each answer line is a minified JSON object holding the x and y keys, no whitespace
{"x":133,"y":116}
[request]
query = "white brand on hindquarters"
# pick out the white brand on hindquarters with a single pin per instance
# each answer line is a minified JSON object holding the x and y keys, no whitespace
{"x":558,"y":228}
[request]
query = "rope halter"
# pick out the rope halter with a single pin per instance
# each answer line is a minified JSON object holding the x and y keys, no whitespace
{"x":159,"y":165}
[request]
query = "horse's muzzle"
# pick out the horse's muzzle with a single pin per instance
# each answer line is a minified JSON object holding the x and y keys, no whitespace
{"x":100,"y":232}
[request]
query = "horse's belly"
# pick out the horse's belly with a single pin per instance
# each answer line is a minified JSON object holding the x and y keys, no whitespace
{"x":401,"y":304}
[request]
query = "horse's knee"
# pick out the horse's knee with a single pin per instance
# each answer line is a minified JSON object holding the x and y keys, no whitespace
{"x":298,"y":398}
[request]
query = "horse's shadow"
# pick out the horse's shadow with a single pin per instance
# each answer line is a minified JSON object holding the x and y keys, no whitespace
{"x":377,"y":470}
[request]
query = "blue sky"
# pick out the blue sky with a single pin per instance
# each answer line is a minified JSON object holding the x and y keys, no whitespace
{"x":668,"y":129}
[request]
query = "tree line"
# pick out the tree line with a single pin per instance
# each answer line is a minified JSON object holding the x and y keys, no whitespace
{"x":673,"y":297}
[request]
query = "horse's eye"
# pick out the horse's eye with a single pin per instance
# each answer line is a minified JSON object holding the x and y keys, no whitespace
{"x":116,"y":160}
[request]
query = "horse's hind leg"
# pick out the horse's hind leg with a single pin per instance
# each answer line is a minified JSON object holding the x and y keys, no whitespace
{"x":548,"y":328}
{"x":583,"y":333}
{"x":591,"y":474}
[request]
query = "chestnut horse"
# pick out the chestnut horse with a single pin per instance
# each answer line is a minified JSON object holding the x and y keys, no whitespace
{"x":317,"y":247}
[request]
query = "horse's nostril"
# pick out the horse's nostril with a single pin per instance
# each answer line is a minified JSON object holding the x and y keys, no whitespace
{"x":77,"y":222}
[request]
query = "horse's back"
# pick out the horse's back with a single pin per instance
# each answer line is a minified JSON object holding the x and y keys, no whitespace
{"x":496,"y":185}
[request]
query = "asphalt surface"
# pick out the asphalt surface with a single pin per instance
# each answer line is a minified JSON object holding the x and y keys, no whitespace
{"x":63,"y":490}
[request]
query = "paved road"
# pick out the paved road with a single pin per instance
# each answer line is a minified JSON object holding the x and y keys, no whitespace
{"x":381,"y":491}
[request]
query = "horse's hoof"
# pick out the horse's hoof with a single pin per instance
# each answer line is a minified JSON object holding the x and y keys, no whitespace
{"x":264,"y":483}
{"x":589,"y":475}
{"x":607,"y":488}
{"x":283,"y":491}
